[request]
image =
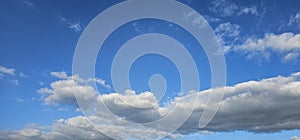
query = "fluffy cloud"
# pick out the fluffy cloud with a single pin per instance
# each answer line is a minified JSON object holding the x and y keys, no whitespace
{"x":9,"y":71}
{"x":60,"y":75}
{"x":76,"y":128}
{"x":286,"y":44}
{"x":268,"y":105}
{"x":79,"y":128}
{"x":63,"y":90}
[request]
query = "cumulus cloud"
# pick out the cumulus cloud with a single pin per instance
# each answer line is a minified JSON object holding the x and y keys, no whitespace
{"x":268,"y":105}
{"x":64,"y":75}
{"x":286,"y":44}
{"x":76,"y":128}
{"x":63,"y":90}
{"x":79,"y":128}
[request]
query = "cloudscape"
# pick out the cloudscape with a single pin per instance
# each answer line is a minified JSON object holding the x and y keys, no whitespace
{"x":160,"y":69}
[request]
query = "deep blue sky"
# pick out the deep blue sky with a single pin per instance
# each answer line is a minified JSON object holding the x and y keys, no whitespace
{"x":39,"y":37}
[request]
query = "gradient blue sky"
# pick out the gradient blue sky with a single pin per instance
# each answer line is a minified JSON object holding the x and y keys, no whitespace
{"x":39,"y":37}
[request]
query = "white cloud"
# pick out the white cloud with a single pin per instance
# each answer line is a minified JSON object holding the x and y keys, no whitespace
{"x":64,"y":75}
{"x":100,"y":82}
{"x":211,"y":19}
{"x":227,"y":34}
{"x":75,"y":26}
{"x":249,"y":10}
{"x":60,"y":75}
{"x":28,"y":3}
{"x":9,"y":71}
{"x":294,"y":19}
{"x":268,"y":105}
{"x":223,"y":7}
{"x":23,"y":75}
{"x":78,"y":128}
{"x":227,"y":8}
{"x":63,"y":90}
{"x":290,"y":57}
{"x":287,"y":44}
{"x":295,"y":138}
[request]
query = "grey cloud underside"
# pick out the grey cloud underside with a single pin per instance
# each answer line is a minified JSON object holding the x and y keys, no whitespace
{"x":269,"y":105}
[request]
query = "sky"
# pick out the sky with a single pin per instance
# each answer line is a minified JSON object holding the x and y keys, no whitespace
{"x":42,"y":98}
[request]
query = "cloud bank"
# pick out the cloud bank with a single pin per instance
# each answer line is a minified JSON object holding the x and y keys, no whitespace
{"x":268,"y":105}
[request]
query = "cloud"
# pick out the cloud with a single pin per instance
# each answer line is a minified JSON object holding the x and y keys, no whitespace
{"x":295,"y":138}
{"x":227,"y":34}
{"x":9,"y":71}
{"x":195,"y":19}
{"x":211,"y":19}
{"x":28,"y":3}
{"x":223,"y":7}
{"x":77,"y":128}
{"x":64,"y":75}
{"x":23,"y":75}
{"x":229,"y":8}
{"x":62,"y":90}
{"x":294,"y":19}
{"x":249,"y":10}
{"x":268,"y":105}
{"x":290,"y":57}
{"x":75,"y":26}
{"x":60,"y":75}
{"x":286,"y":44}
{"x":100,"y":82}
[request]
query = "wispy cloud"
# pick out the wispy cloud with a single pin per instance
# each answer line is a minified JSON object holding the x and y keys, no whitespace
{"x":227,"y":34}
{"x":23,"y":75}
{"x":227,"y":8}
{"x":29,"y":3}
{"x":294,"y":19}
{"x":75,"y":26}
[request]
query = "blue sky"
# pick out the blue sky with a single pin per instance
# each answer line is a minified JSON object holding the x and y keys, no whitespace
{"x":260,"y":39}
